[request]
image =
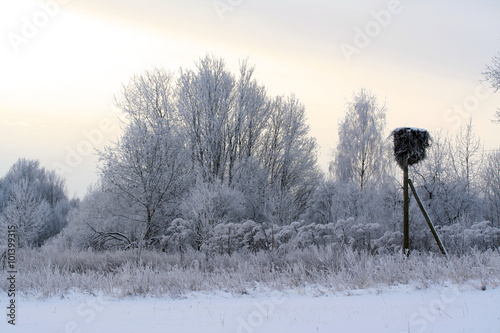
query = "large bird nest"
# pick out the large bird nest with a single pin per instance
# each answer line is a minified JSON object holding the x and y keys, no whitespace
{"x":410,"y":145}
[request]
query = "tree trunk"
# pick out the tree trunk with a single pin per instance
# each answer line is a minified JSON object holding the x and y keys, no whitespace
{"x":147,"y":235}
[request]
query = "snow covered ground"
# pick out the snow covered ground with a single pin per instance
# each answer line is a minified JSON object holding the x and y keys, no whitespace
{"x":315,"y":309}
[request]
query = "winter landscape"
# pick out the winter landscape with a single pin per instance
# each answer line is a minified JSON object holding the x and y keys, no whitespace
{"x":199,"y":191}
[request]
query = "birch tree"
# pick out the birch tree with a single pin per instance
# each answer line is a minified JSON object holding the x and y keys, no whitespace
{"x":466,"y":156}
{"x":359,"y":154}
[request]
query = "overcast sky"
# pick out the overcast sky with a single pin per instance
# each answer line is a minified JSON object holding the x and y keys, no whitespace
{"x":62,"y":64}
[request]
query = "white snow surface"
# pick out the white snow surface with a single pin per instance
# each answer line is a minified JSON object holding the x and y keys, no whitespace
{"x":445,"y":308}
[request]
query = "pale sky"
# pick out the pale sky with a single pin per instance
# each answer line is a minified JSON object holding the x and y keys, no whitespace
{"x":62,"y":64}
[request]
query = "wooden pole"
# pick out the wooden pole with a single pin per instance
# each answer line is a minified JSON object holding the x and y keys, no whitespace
{"x":431,"y":226}
{"x":406,"y":216}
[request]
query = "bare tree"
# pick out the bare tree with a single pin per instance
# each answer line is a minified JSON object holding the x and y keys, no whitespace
{"x":448,"y":178}
{"x":251,"y":113}
{"x":147,"y":168}
{"x":205,"y":102}
{"x":359,"y":154}
{"x":491,"y":187}
{"x":148,"y":97}
{"x":289,"y":155}
{"x":492,"y":75}
{"x":466,"y":156}
{"x":230,"y":124}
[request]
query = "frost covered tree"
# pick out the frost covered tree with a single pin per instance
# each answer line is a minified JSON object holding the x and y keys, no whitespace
{"x":230,"y":124}
{"x":289,"y":156}
{"x":249,"y":120}
{"x":146,"y":170}
{"x":251,"y":179}
{"x":440,"y":189}
{"x":149,"y":97}
{"x":251,"y":155}
{"x":47,"y":185}
{"x":448,"y":180}
{"x":491,"y":187}
{"x":321,"y":207}
{"x":27,"y":211}
{"x":223,"y":116}
{"x":466,"y":156}
{"x":492,"y":75}
{"x":205,"y":102}
{"x":359,"y":157}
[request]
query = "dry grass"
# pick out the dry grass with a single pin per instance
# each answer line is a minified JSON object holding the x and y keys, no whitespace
{"x":46,"y":272}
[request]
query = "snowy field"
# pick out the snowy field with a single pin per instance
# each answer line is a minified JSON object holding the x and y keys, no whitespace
{"x":402,"y":309}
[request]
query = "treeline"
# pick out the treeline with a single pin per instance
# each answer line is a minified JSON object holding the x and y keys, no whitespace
{"x":208,"y":161}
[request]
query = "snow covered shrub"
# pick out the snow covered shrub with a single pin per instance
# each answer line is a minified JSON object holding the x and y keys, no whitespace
{"x":286,"y":234}
{"x":209,"y":204}
{"x":98,"y":224}
{"x":389,"y":242}
{"x":459,"y":239}
{"x":453,"y":238}
{"x":321,"y":205}
{"x":343,"y":231}
{"x":226,"y":238}
{"x":254,"y":237}
{"x":365,"y":234}
{"x":179,"y":237}
{"x":482,"y":236}
{"x":313,"y":235}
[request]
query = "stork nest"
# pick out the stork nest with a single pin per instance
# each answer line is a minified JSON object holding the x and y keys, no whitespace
{"x":410,"y":145}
